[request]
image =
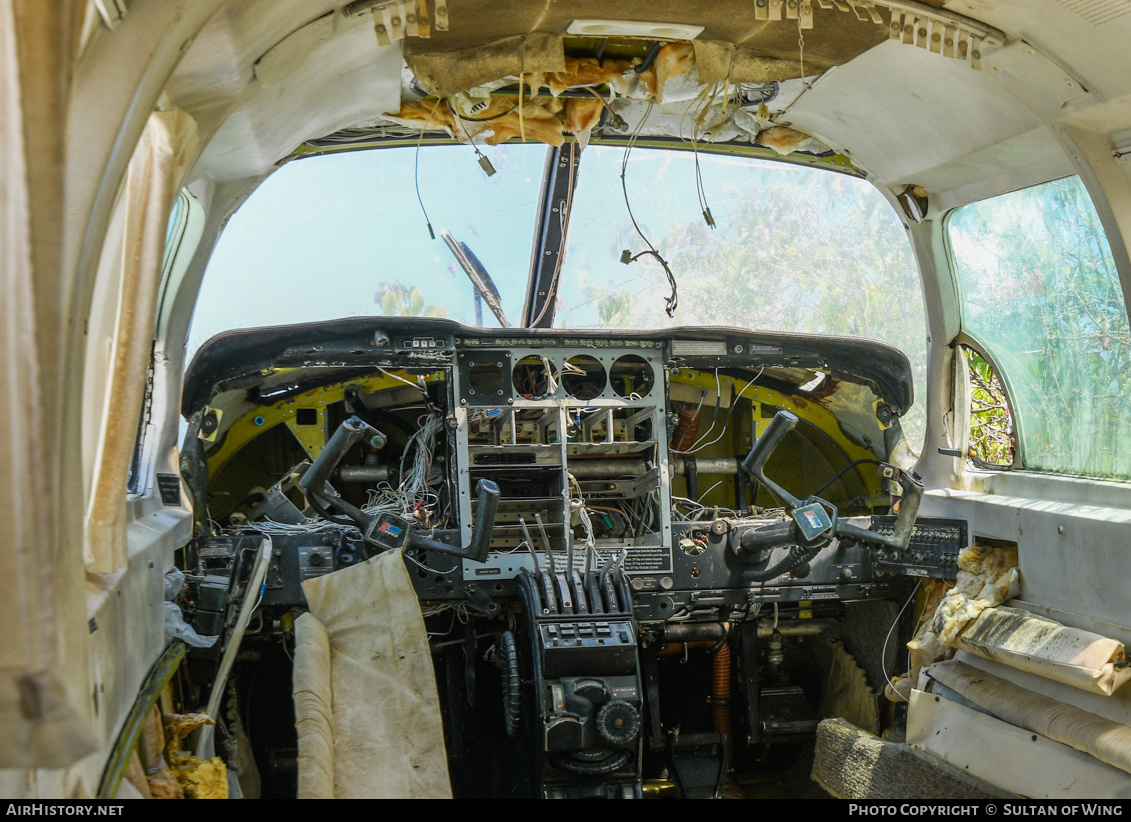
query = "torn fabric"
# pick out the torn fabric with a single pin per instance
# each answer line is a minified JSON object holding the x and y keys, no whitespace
{"x":1046,"y":648}
{"x":444,"y":73}
{"x":986,"y":577}
{"x":43,"y":717}
{"x":314,"y":715}
{"x":388,"y":735}
{"x":1104,"y":739}
{"x":158,"y":165}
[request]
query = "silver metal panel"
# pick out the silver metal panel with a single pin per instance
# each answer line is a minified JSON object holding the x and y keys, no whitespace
{"x":545,"y":436}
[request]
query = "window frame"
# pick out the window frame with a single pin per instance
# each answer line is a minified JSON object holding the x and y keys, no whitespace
{"x":965,"y":337}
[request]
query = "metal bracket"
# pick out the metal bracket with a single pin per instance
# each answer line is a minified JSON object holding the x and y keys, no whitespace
{"x":112,"y":12}
{"x":539,"y":308}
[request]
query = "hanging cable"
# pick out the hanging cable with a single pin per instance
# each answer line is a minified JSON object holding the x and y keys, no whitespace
{"x":707,"y":96}
{"x":416,"y":168}
{"x":844,"y":471}
{"x":801,"y":51}
{"x":484,"y":163}
{"x":884,"y":649}
{"x":626,"y":257}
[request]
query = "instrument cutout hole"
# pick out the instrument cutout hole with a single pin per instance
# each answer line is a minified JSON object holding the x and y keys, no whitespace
{"x":583,"y":377}
{"x":631,"y":374}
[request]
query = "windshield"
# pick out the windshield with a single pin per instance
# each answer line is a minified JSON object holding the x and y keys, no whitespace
{"x":793,"y":248}
{"x":343,"y":235}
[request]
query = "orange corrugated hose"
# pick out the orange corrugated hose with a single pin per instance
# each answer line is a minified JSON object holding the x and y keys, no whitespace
{"x":720,"y":696}
{"x":720,"y":685}
{"x":687,"y":429}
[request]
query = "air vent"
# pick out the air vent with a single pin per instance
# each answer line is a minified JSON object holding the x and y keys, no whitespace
{"x":1098,"y":12}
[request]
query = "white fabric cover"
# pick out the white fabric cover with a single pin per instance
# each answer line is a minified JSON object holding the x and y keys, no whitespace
{"x":1107,"y":741}
{"x":388,"y":738}
{"x":1047,"y":648}
{"x":157,"y":168}
{"x":43,"y":717}
{"x":314,"y":717}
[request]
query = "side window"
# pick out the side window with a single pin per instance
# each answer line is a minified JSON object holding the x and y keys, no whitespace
{"x":991,"y":443}
{"x":1041,"y":295}
{"x":181,"y":237}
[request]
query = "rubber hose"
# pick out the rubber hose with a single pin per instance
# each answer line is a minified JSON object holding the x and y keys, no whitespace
{"x":687,"y":429}
{"x":720,"y":683}
{"x":512,"y":704}
{"x":720,"y":696}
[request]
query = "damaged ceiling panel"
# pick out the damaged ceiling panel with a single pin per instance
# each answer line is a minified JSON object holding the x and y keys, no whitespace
{"x":835,"y":37}
{"x":705,"y":72}
{"x":486,"y":41}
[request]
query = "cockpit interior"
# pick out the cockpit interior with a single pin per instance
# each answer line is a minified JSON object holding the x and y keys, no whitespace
{"x":454,"y":399}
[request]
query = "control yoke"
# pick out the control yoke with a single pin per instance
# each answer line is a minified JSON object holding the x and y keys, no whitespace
{"x":389,"y":531}
{"x":814,"y":520}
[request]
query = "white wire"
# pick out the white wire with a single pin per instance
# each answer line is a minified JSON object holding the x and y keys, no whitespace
{"x":415,"y":385}
{"x":413,"y":493}
{"x":884,"y":649}
{"x":699,"y":407}
{"x":696,"y":447}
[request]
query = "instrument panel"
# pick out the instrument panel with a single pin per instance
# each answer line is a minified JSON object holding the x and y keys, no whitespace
{"x":574,"y":509}
{"x":605,"y":449}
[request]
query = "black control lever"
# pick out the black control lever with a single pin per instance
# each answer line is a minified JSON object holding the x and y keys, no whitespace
{"x":476,"y":551}
{"x":313,"y":482}
{"x":389,"y":531}
{"x":817,"y":522}
{"x":755,"y":461}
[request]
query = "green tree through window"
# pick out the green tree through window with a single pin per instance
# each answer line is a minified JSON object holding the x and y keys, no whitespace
{"x":1041,"y":293}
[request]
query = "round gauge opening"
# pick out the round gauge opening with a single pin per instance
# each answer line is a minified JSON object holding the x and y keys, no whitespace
{"x":534,"y":377}
{"x":583,"y":377}
{"x":631,"y":374}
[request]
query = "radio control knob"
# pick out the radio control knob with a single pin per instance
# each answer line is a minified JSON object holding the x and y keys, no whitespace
{"x":618,"y":722}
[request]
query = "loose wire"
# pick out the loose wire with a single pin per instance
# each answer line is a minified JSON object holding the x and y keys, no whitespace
{"x":672,"y":302}
{"x":696,"y":447}
{"x":416,"y":168}
{"x":884,"y":649}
